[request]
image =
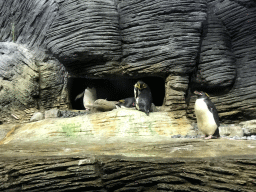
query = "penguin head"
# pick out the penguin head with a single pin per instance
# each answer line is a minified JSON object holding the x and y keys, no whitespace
{"x":140,"y":85}
{"x":201,"y":94}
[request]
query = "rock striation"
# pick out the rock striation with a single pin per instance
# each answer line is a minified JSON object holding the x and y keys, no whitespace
{"x":205,"y":45}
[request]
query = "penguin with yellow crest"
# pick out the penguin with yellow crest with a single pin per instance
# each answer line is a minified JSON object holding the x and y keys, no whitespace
{"x":143,"y":97}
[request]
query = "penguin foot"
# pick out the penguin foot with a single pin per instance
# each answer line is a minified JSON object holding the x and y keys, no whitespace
{"x":209,"y":137}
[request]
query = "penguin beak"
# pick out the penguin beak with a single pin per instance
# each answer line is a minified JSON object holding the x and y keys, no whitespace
{"x":137,"y":86}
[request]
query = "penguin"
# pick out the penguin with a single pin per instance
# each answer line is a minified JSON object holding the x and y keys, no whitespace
{"x":143,"y":97}
{"x":207,"y":116}
{"x":126,"y":103}
{"x":90,"y":97}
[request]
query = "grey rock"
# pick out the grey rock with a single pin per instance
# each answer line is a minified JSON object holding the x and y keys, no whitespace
{"x":199,"y":136}
{"x":231,"y":130}
{"x":52,"y":113}
{"x":249,"y":138}
{"x":129,"y":38}
{"x":176,"y":136}
{"x":153,"y":108}
{"x":37,"y":117}
{"x":69,"y":113}
{"x":236,"y":138}
{"x":192,"y":133}
{"x":249,"y":127}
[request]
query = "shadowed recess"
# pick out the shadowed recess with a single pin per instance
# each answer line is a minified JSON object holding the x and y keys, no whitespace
{"x":114,"y":89}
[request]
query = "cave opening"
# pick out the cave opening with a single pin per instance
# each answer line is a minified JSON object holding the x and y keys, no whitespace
{"x":114,"y":89}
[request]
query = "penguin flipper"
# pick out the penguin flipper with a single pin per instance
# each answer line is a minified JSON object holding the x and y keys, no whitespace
{"x":213,"y":110}
{"x":79,"y":95}
{"x":216,"y":134}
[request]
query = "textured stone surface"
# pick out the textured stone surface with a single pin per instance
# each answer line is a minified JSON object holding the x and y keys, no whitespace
{"x":38,"y":157}
{"x":103,"y":174}
{"x":52,"y":113}
{"x":205,"y":45}
{"x":96,"y":126}
{"x":249,"y":127}
{"x":37,"y":117}
{"x":231,"y":131}
{"x":161,"y":36}
{"x":87,"y":32}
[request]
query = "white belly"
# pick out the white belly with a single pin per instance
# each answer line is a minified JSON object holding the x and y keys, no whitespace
{"x":205,"y":120}
{"x":137,"y":103}
{"x":89,"y":97}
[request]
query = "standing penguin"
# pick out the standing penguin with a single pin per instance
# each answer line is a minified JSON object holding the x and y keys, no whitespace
{"x":207,"y":116}
{"x":89,"y":97}
{"x":143,"y":97}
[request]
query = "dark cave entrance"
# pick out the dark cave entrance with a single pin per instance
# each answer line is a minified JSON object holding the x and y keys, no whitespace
{"x":114,"y":89}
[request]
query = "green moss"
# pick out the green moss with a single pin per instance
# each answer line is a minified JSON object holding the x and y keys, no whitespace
{"x":71,"y":128}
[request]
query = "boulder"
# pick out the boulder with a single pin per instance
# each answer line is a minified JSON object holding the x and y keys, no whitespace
{"x":52,"y":113}
{"x":249,"y":127}
{"x":37,"y":117}
{"x":231,"y":131}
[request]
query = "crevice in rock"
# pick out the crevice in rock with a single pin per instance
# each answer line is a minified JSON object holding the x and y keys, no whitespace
{"x":38,"y":80}
{"x":114,"y":89}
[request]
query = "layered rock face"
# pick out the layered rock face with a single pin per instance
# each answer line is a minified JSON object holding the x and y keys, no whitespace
{"x":203,"y":45}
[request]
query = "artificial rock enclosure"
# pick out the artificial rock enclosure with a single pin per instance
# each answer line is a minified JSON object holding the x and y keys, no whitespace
{"x":51,"y":50}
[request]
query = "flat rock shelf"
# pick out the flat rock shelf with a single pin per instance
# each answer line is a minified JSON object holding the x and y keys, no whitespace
{"x":121,"y":150}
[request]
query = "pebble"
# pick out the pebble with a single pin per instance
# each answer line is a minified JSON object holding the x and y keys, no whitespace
{"x":67,"y":114}
{"x":236,"y":138}
{"x":176,"y":136}
{"x":252,"y":137}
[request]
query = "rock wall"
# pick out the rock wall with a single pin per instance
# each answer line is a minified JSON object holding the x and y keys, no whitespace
{"x":203,"y":45}
{"x":120,"y":175}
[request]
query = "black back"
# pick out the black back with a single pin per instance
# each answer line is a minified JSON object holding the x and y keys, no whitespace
{"x":144,"y":95}
{"x":145,"y":100}
{"x":213,"y":110}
